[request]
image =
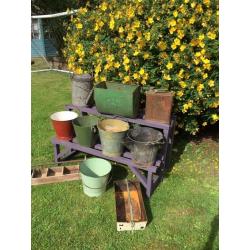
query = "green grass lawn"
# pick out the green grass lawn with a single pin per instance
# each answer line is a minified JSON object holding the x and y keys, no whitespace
{"x":182,"y":212}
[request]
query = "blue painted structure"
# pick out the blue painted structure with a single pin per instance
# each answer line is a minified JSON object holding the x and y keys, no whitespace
{"x":41,"y":46}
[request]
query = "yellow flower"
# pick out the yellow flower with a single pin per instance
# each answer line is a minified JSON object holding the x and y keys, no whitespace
{"x":98,"y":68}
{"x":193,"y":4}
{"x":141,"y":71}
{"x":183,"y":47}
{"x":136,"y":53}
{"x":146,"y":55}
{"x":117,"y":65}
{"x":185,"y":108}
{"x":162,"y":45}
{"x":173,"y":46}
{"x":200,"y":87}
{"x":82,"y":10}
{"x":78,"y":71}
{"x":136,"y":76}
{"x":143,"y":82}
{"x":169,"y":65}
{"x":180,"y":33}
{"x":121,"y":29}
{"x":215,"y":117}
{"x":147,"y":36}
{"x":175,"y":13}
{"x":103,"y":78}
{"x":180,"y":93}
{"x":186,"y":1}
{"x":125,"y":60}
{"x":126,"y":79}
{"x":112,"y":23}
{"x":192,"y":20}
{"x":145,"y":76}
{"x":130,"y":13}
{"x":183,"y":84}
{"x":104,"y":6}
{"x":167,"y":77}
{"x":130,"y":36}
{"x":79,"y":26}
{"x":150,"y":20}
{"x":177,"y":41}
{"x":204,"y":124}
{"x":198,"y":54}
{"x":172,"y":30}
{"x":211,"y":35}
{"x":204,"y":76}
{"x":126,"y":67}
{"x":211,"y":83}
{"x":201,"y":37}
{"x":163,"y":55}
{"x":172,"y":23}
{"x":206,"y":2}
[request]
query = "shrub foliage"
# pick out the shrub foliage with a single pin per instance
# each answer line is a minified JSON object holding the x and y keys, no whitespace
{"x":165,"y":44}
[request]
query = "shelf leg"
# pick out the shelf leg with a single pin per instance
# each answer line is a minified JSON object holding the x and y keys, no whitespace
{"x":56,"y":152}
{"x":149,"y":184}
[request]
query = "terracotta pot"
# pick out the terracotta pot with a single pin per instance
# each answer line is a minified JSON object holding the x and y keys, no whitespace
{"x":62,"y":123}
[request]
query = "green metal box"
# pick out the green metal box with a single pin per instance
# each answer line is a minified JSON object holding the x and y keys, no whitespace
{"x":117,"y":99}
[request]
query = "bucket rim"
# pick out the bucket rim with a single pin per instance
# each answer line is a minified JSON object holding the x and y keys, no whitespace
{"x":146,"y":143}
{"x":63,"y":116}
{"x":122,"y":131}
{"x":91,"y":158}
{"x":83,"y":117}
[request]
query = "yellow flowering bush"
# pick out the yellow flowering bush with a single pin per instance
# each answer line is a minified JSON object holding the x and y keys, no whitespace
{"x":165,"y":44}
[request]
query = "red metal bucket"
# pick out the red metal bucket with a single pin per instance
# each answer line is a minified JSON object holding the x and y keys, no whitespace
{"x":62,"y":123}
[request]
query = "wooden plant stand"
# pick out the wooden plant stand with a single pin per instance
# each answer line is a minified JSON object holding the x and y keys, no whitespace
{"x":149,"y":177}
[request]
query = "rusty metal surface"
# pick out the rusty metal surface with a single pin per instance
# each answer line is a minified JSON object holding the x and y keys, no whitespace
{"x":159,"y":106}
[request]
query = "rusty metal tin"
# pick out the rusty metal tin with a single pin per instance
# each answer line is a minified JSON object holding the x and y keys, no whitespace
{"x":159,"y":106}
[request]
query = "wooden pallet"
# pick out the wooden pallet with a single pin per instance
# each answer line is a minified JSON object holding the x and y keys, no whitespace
{"x":54,"y":175}
{"x":128,"y":217}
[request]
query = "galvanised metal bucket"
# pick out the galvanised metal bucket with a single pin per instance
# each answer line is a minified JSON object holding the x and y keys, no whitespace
{"x":62,"y":123}
{"x":94,"y":173}
{"x":85,"y":129}
{"x":112,"y":133}
{"x":81,"y":89}
{"x":144,"y":142}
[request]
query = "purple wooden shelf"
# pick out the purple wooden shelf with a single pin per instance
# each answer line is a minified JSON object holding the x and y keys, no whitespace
{"x":154,"y":174}
{"x":140,"y":120}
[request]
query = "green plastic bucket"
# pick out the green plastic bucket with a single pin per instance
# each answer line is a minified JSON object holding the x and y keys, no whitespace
{"x":94,"y":173}
{"x":85,"y":130}
{"x":112,"y":133}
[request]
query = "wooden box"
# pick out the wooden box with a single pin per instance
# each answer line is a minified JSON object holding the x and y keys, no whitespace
{"x":54,"y":174}
{"x":123,"y":214}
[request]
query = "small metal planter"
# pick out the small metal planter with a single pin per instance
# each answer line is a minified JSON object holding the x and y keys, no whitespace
{"x":112,"y":132}
{"x":82,"y":87}
{"x":117,"y":99}
{"x":159,"y":106}
{"x":85,"y":129}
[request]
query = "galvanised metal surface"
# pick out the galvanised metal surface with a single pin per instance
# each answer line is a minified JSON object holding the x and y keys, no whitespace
{"x":154,"y":174}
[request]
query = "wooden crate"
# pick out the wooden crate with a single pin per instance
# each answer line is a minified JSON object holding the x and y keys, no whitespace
{"x":54,"y":175}
{"x":123,"y":215}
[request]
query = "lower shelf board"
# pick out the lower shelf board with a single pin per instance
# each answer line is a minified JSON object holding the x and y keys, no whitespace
{"x":125,"y":220}
{"x":54,"y":175}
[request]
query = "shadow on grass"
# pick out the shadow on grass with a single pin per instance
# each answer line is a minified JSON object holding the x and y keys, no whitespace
{"x":118,"y":172}
{"x":213,"y":233}
{"x":182,"y":139}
